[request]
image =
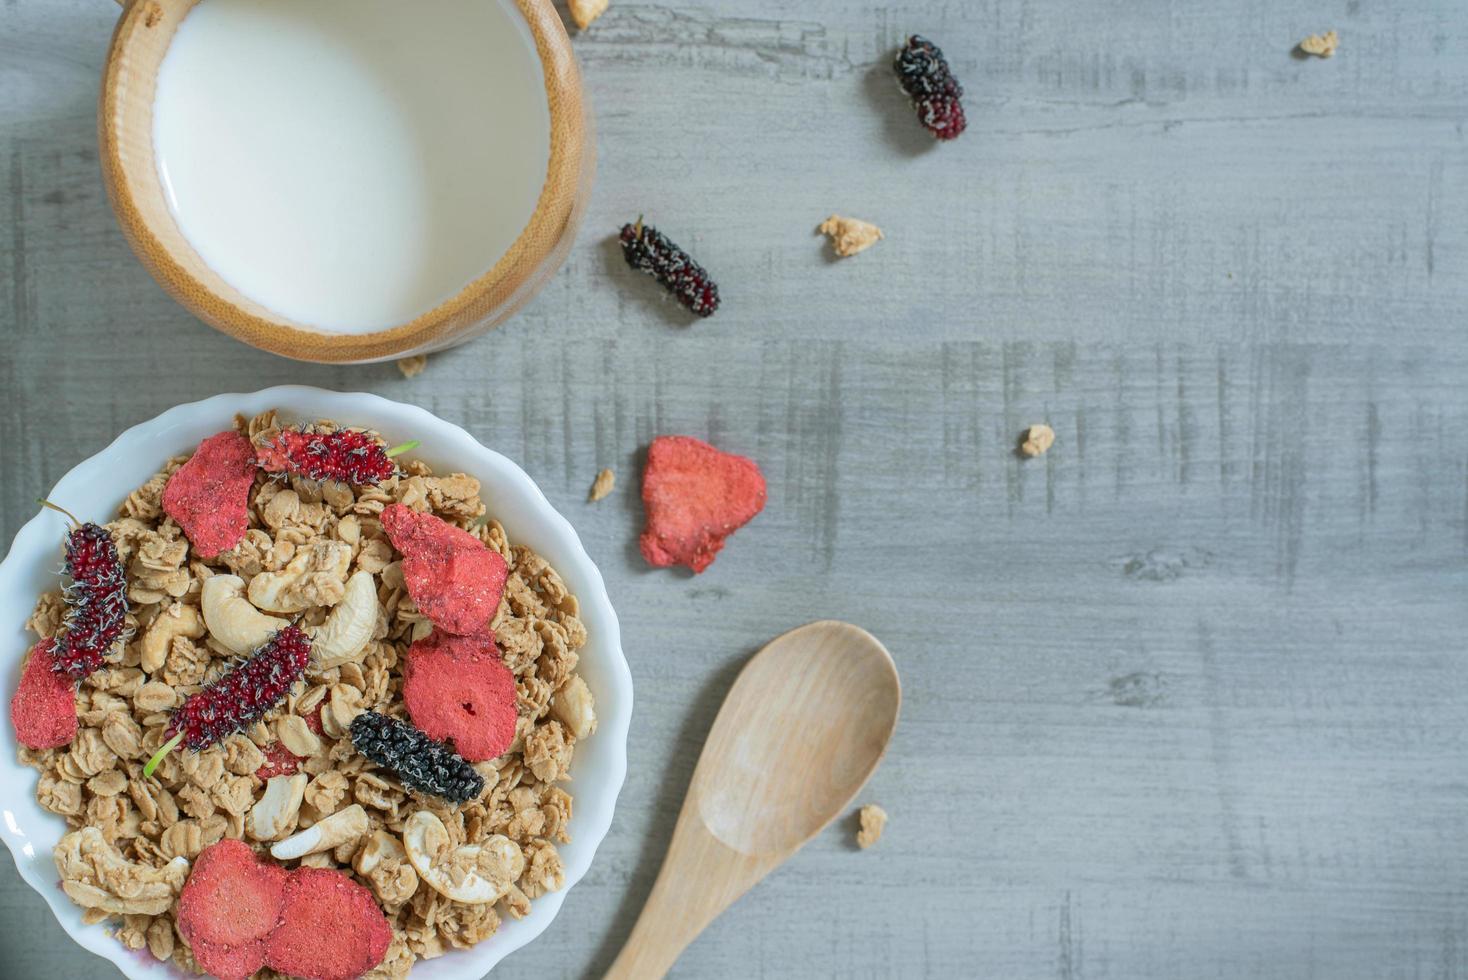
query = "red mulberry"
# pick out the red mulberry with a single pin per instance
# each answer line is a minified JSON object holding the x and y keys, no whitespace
{"x":344,"y":456}
{"x":923,"y":73}
{"x":648,"y":250}
{"x":239,"y":698}
{"x":96,"y":599}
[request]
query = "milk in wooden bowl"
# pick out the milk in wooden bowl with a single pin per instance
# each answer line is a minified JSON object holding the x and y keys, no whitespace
{"x":346,"y":180}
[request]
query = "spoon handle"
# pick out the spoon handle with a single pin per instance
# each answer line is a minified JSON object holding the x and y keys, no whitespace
{"x":700,"y":878}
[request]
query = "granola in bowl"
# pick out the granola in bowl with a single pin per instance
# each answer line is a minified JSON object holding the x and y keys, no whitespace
{"x":357,"y":770}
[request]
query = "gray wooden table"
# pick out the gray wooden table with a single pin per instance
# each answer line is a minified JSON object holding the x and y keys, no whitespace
{"x":1188,"y":696}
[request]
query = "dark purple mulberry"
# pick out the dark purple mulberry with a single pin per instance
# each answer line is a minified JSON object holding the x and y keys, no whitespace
{"x":240,"y":698}
{"x":923,"y":73}
{"x":648,"y":250}
{"x":419,"y":761}
{"x":96,"y":600}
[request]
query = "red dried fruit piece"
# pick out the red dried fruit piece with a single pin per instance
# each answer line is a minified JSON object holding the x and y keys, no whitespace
{"x":453,"y":578}
{"x":330,"y":928}
{"x":43,"y":709}
{"x":279,"y":761}
{"x":209,"y":496}
{"x":96,"y":598}
{"x":345,"y":456}
{"x":239,"y":698}
{"x":229,"y":907}
{"x":229,"y":962}
{"x":695,"y":497}
{"x":457,"y":687}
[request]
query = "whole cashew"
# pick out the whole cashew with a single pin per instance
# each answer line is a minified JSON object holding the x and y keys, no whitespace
{"x":176,"y":620}
{"x":349,"y":628}
{"x":475,"y":874}
{"x":313,"y":577}
{"x":274,"y":814}
{"x":573,"y":707}
{"x":342,"y":827}
{"x":230,"y":617}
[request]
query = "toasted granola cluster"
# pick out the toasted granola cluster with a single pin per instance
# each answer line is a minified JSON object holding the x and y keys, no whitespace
{"x":132,"y":835}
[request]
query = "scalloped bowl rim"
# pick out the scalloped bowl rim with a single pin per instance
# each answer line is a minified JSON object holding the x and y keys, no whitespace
{"x":599,"y":768}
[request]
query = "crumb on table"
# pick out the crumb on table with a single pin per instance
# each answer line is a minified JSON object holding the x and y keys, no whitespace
{"x":583,"y":12}
{"x":850,"y":235}
{"x":1320,"y":45}
{"x":873,"y":820}
{"x":413,"y":366}
{"x":604,"y":483}
{"x":1038,"y":439}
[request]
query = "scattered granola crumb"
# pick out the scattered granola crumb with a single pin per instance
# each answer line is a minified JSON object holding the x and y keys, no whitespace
{"x":583,"y":12}
{"x":850,"y":235}
{"x":1038,"y":439}
{"x":1320,"y":45}
{"x":605,"y":482}
{"x":413,"y":366}
{"x":873,"y":821}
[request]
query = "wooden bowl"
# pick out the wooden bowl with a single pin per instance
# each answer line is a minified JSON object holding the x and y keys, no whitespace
{"x":129,"y":171}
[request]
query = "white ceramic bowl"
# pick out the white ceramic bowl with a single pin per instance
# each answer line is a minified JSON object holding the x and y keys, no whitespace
{"x":94,"y":489}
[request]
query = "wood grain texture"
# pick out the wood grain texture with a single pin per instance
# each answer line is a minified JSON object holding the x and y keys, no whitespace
{"x":1187,"y":697}
{"x":802,"y":729}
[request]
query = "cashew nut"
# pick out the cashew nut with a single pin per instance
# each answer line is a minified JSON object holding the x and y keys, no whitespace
{"x":475,"y":874}
{"x":573,"y":707}
{"x":97,"y":876}
{"x":314,"y":577}
{"x":176,"y":620}
{"x":230,"y":617}
{"x":342,"y":827}
{"x":384,"y":863}
{"x":380,"y":847}
{"x":275,"y":814}
{"x":349,"y":628}
{"x":297,"y":737}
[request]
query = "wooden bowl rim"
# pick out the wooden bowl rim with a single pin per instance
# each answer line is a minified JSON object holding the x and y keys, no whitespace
{"x":501,"y":283}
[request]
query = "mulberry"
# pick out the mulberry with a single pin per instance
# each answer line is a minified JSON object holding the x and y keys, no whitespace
{"x":648,"y":250}
{"x":96,"y":599}
{"x":239,"y":698}
{"x":923,"y":73}
{"x":344,"y":456}
{"x":420,"y":762}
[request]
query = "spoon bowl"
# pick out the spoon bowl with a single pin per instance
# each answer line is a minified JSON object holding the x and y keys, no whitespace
{"x":799,"y":733}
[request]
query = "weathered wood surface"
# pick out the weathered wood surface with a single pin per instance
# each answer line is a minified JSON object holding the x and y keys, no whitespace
{"x":1187,"y":697}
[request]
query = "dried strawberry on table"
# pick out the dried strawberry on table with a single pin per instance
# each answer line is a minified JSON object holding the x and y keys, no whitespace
{"x":695,"y":497}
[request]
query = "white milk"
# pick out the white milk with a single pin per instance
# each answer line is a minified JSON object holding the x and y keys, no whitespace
{"x":350,"y":164}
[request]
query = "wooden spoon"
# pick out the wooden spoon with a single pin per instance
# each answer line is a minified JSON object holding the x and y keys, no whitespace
{"x":803,"y":727}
